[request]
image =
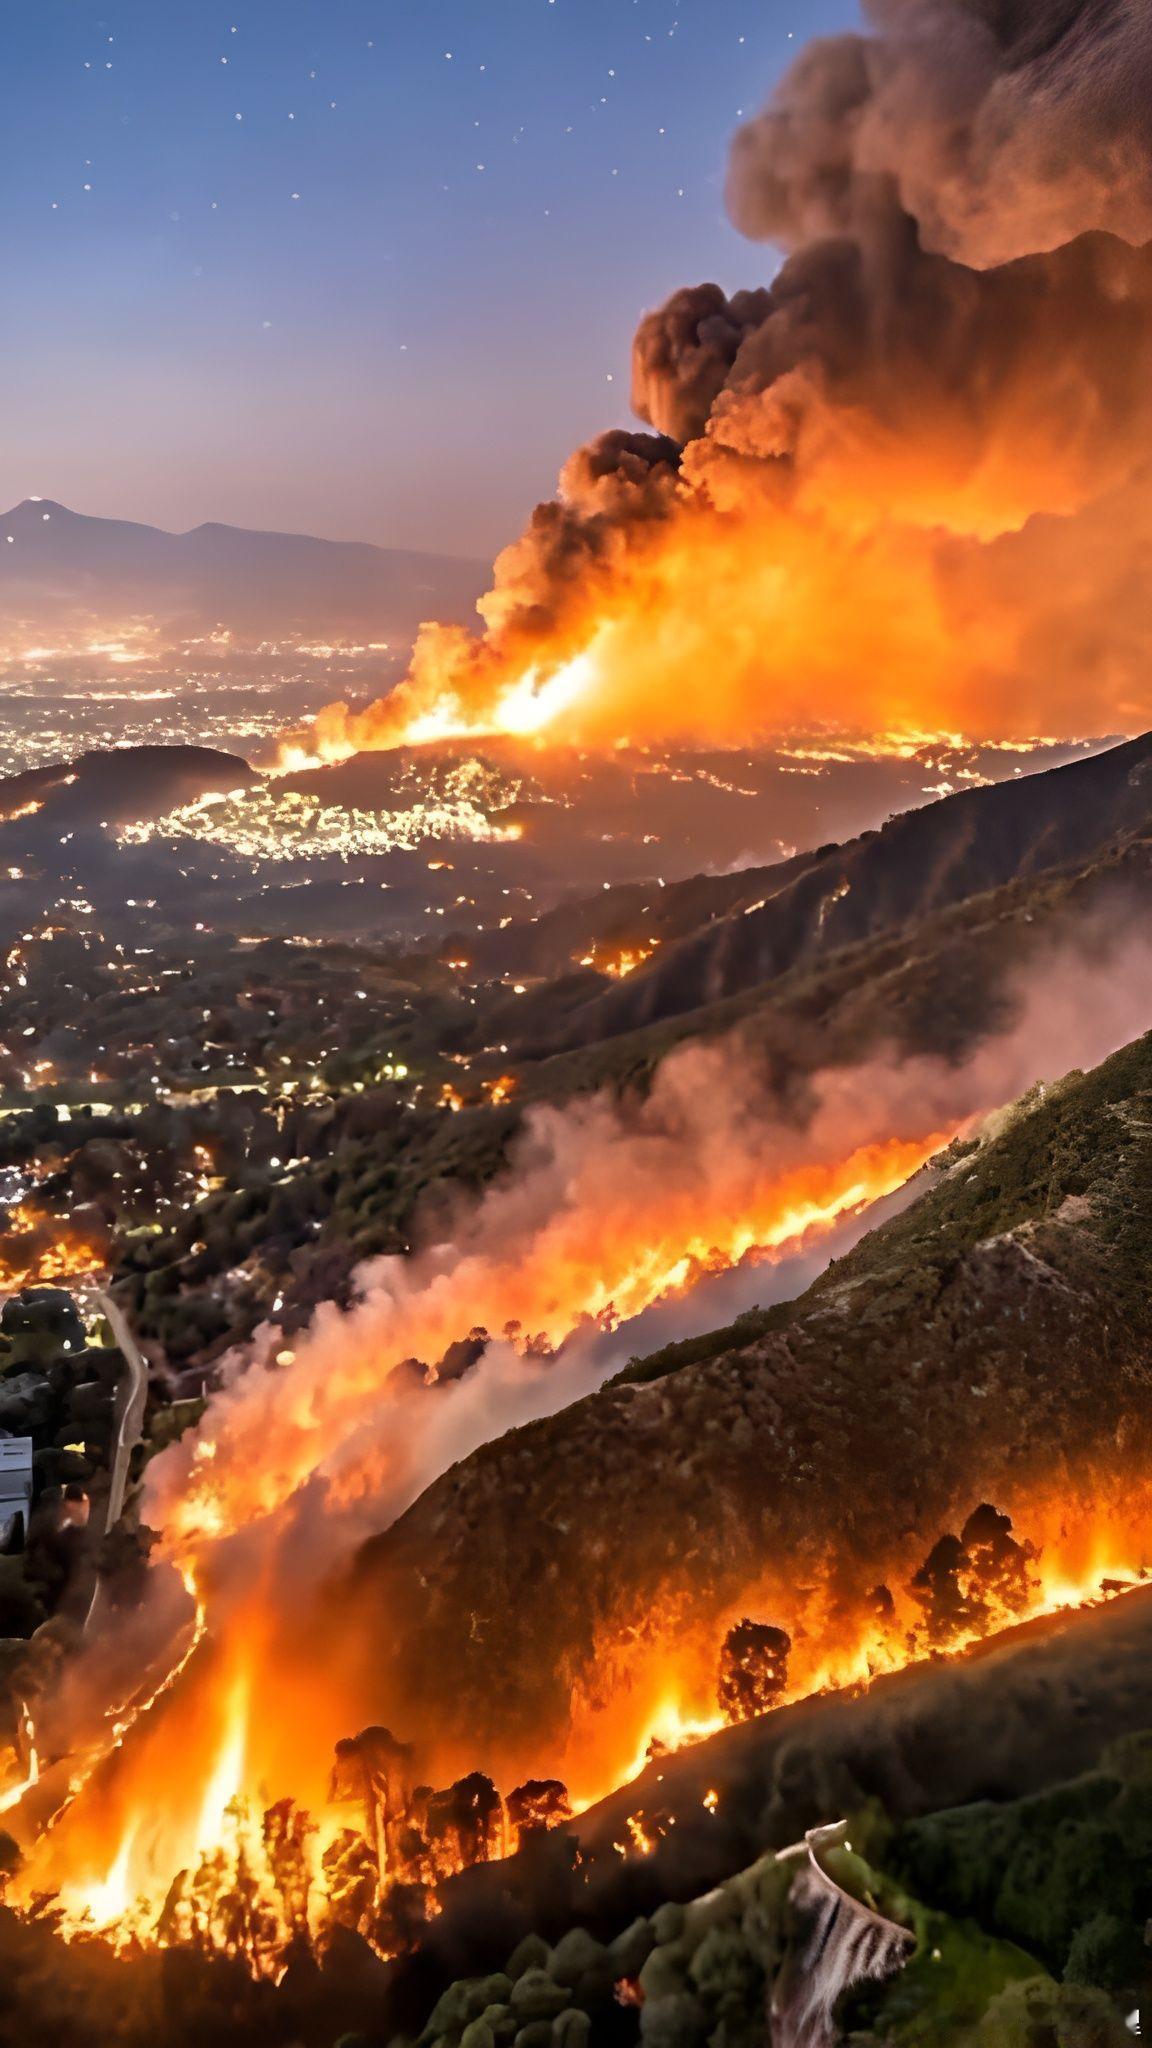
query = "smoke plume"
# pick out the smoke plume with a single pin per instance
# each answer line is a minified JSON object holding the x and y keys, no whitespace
{"x":904,"y":485}
{"x":604,"y":1209}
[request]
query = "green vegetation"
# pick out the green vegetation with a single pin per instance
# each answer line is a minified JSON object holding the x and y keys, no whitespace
{"x":1066,"y":1873}
{"x":1027,"y":1921}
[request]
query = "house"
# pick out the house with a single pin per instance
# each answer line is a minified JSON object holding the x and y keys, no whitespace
{"x":15,"y":1490}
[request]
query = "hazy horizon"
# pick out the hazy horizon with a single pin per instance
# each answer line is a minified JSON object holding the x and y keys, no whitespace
{"x":355,"y":273}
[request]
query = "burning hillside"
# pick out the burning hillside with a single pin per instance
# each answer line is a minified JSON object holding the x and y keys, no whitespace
{"x":235,"y":1705}
{"x":251,"y":1877}
{"x":605,"y":1211}
{"x":424,"y":1574}
{"x":902,"y":488}
{"x":991,"y":1340}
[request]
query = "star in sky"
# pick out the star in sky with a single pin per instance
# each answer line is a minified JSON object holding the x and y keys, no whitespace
{"x":350,"y":265}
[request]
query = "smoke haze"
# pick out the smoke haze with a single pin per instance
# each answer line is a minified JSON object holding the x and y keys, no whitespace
{"x":606,"y":1210}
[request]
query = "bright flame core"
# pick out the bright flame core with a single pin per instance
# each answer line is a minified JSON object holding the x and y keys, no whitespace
{"x":521,"y":709}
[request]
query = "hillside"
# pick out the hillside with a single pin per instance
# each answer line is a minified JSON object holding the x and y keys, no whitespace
{"x":1006,"y":1794}
{"x":109,"y":788}
{"x":60,"y":565}
{"x":719,"y":937}
{"x":939,"y":985}
{"x":991,"y":1344}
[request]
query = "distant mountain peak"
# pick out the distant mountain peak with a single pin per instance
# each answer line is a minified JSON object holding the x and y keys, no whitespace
{"x":261,"y":585}
{"x":37,"y":508}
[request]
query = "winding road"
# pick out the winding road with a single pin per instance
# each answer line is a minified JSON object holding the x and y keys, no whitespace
{"x":132,"y":1395}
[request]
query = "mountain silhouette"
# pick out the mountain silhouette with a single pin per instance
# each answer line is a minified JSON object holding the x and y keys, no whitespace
{"x":58,"y":566}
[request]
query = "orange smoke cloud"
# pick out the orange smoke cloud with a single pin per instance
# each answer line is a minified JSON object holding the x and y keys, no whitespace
{"x":598,"y":1223}
{"x":905,"y":486}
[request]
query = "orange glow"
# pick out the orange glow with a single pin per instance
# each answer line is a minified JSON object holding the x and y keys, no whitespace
{"x":624,"y":960}
{"x":917,"y":520}
{"x":12,"y":1794}
{"x":1089,"y":1549}
{"x":500,"y":1090}
{"x":248,"y":1719}
{"x":597,"y":1220}
{"x":43,"y":1252}
{"x":196,"y":1799}
{"x":601,"y":1263}
{"x":736,"y":620}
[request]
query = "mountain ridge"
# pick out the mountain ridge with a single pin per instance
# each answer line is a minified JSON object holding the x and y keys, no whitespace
{"x":58,"y":566}
{"x":48,"y":509}
{"x":813,"y":905}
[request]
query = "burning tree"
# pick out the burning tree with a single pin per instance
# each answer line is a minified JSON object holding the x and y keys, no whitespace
{"x":753,"y":1669}
{"x":465,"y":1824}
{"x":966,"y":1582}
{"x":351,"y":1880}
{"x":376,"y":1770}
{"x":537,"y":1805}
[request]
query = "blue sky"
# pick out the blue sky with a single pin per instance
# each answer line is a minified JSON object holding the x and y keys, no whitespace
{"x":386,"y":300}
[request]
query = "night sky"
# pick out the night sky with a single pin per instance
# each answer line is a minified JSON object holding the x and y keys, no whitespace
{"x":367,"y":268}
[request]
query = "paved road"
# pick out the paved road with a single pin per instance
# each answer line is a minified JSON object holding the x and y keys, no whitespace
{"x":133,"y":1394}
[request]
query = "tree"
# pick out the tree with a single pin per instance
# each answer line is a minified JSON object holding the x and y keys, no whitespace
{"x":753,"y":1669}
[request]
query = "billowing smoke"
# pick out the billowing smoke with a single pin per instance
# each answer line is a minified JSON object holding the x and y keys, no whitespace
{"x":607,"y":1209}
{"x":1000,"y":127}
{"x":604,"y":1209}
{"x":905,"y":484}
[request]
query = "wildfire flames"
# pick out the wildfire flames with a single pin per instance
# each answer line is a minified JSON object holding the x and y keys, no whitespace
{"x":129,"y":1825}
{"x":604,"y":1254}
{"x":902,"y":490}
{"x":218,"y":1863}
{"x":605,"y":1209}
{"x":624,"y":960}
{"x":38,"y":1252}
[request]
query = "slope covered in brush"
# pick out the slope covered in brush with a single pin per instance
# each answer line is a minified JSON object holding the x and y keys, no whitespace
{"x":724,"y":935}
{"x":993,"y":1343}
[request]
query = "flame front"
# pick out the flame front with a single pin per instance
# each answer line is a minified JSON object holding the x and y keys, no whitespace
{"x":196,"y":1820}
{"x":192,"y":1850}
{"x":242,"y":1722}
{"x":599,"y":1255}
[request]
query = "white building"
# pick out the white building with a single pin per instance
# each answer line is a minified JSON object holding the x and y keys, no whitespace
{"x":15,"y":1489}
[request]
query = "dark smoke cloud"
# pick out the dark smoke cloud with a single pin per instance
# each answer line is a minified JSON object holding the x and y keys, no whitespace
{"x":1001,"y":127}
{"x":886,"y":326}
{"x":879,"y":351}
{"x":683,"y":355}
{"x":611,"y":489}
